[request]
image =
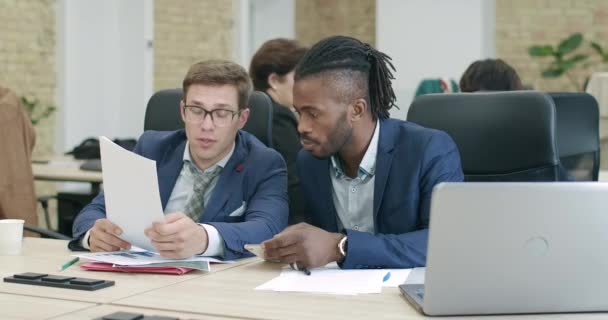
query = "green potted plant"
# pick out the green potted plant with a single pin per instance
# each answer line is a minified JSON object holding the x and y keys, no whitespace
{"x":565,"y":60}
{"x":35,"y":110}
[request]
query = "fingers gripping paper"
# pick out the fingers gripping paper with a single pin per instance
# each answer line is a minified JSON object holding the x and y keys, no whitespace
{"x":131,"y":191}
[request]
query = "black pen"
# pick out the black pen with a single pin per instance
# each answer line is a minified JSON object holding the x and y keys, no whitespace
{"x":295,"y":266}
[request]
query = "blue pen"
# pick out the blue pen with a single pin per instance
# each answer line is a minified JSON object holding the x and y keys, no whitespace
{"x":386,"y":277}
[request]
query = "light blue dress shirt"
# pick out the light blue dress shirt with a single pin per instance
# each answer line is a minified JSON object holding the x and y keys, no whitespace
{"x":354,"y":197}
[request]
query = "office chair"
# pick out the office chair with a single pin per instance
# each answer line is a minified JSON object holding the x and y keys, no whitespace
{"x":578,"y":141}
{"x":45,"y":233}
{"x":501,"y":136}
{"x":162,"y":114}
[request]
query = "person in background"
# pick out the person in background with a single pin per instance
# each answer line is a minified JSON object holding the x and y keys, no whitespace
{"x":220,"y":187}
{"x":490,"y":75}
{"x":17,"y":139}
{"x":367,"y":179}
{"x":272,"y":68}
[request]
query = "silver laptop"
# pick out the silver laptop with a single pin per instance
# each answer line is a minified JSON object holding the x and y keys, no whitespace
{"x":506,"y":248}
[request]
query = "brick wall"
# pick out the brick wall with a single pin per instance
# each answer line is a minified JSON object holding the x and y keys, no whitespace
{"x":522,"y":23}
{"x":188,"y":31}
{"x":317,"y":19}
{"x":27,"y":58}
{"x":27,"y":65}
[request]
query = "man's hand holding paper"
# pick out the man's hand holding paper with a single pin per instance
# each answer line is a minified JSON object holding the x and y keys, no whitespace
{"x":178,"y":236}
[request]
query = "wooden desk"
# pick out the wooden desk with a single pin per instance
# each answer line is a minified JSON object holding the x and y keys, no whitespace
{"x":228,"y":292}
{"x":46,"y":255}
{"x":13,"y":306}
{"x":64,"y":169}
{"x":99,"y":311}
{"x":231,"y":293}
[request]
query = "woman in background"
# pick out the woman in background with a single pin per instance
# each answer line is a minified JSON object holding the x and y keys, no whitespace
{"x":490,"y":75}
{"x":271,"y":70}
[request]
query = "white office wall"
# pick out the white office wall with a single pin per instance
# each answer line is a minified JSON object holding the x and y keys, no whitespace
{"x":432,"y":38}
{"x":271,"y":19}
{"x":104,"y":68}
{"x":258,"y":21}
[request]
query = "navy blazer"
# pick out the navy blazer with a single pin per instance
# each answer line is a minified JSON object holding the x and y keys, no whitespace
{"x":410,"y":161}
{"x":255,"y":175}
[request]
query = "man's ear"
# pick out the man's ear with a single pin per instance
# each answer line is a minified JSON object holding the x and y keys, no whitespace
{"x":273,"y":80}
{"x":359,"y":108}
{"x":182,"y":110}
{"x":243,"y":117}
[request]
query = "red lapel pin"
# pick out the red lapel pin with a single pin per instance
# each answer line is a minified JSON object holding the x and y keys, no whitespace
{"x":240,"y":167}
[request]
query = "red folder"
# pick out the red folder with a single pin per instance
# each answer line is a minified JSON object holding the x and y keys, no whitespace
{"x":103,"y":266}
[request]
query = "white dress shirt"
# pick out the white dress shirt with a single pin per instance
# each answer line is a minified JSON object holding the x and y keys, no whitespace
{"x":182,"y":191}
{"x":354,"y":197}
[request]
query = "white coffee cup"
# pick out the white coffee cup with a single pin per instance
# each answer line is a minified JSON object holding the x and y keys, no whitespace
{"x":11,"y":236}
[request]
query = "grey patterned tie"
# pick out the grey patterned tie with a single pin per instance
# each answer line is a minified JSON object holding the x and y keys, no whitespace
{"x":196,"y":203}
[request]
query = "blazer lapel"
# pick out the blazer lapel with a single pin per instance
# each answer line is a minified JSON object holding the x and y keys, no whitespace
{"x":232,"y":175}
{"x":384,"y":159}
{"x":327,"y":215}
{"x":168,"y":169}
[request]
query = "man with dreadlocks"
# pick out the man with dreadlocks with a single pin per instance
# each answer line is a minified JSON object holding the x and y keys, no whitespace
{"x":366,"y":179}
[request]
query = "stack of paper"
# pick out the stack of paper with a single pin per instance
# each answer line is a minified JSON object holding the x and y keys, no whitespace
{"x":138,"y":258}
{"x":332,"y":280}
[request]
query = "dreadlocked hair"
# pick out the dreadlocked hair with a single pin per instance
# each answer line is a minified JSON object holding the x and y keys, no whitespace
{"x":340,"y":53}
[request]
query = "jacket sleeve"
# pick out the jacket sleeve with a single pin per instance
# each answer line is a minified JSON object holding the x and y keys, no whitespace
{"x":266,"y":213}
{"x":440,"y":163}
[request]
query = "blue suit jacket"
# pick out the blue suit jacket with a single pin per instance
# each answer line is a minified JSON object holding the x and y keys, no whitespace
{"x":410,"y":161}
{"x":254,"y":174}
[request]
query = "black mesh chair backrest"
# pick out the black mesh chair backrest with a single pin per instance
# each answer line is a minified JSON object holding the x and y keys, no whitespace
{"x":162,"y":114}
{"x":260,"y":117}
{"x":501,"y":136}
{"x":578,"y":137}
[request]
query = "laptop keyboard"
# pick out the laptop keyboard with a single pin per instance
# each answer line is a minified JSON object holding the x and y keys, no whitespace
{"x":420,"y":293}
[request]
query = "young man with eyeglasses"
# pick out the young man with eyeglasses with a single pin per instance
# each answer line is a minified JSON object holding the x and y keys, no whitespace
{"x":220,"y":187}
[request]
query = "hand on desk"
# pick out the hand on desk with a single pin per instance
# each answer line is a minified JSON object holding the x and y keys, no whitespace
{"x":178,"y":237}
{"x":306,"y":245}
{"x":104,"y":237}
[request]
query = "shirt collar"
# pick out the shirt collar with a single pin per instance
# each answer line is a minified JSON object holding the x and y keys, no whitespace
{"x":368,"y":163}
{"x":222,"y":163}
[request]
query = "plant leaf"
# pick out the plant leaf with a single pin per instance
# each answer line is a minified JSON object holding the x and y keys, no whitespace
{"x":578,"y":58}
{"x":597,"y":47}
{"x":570,"y":44}
{"x":553,"y":73}
{"x":540,"y":51}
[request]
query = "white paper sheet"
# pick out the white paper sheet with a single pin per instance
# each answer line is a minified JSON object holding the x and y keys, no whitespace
{"x":416,"y":276}
{"x":395,"y":277}
{"x":131,"y":192}
{"x":329,"y":279}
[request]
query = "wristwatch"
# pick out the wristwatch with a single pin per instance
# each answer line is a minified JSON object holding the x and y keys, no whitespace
{"x":343,"y":246}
